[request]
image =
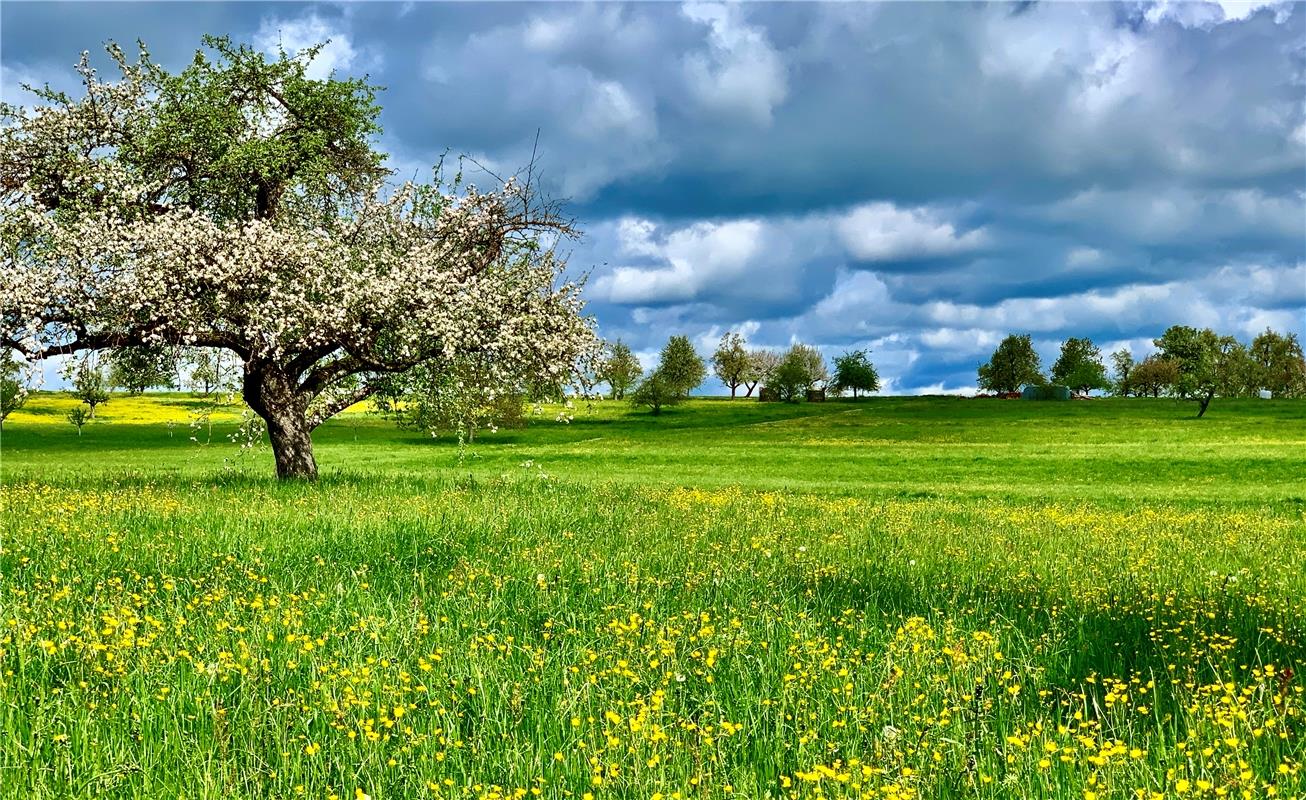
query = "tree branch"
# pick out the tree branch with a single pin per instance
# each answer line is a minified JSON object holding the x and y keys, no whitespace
{"x":329,"y":410}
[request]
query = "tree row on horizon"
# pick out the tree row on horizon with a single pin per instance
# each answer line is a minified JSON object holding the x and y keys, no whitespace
{"x":1190,"y":363}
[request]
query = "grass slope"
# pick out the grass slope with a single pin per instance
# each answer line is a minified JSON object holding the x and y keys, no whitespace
{"x":895,"y":598}
{"x":1130,"y":449}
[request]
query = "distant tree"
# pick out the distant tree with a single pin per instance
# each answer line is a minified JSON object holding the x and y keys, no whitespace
{"x":1122,"y":364}
{"x":1239,"y":375}
{"x":89,"y":384}
{"x":681,"y":368}
{"x":211,"y":369}
{"x":730,"y":362}
{"x":761,"y":366}
{"x":656,"y":391}
{"x":1153,"y":377}
{"x":78,"y":417}
{"x":814,"y":363}
{"x":1203,"y":359}
{"x":139,"y":368}
{"x":619,"y":368}
{"x":789,"y":380}
{"x":1280,"y":364}
{"x":13,"y":391}
{"x":854,"y":371}
{"x":1080,"y":366}
{"x":800,"y":368}
{"x":1014,"y":364}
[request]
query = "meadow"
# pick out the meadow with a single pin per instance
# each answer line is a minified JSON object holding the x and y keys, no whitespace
{"x":891,"y":598}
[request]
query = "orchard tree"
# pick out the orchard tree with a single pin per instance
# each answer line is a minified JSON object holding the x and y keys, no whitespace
{"x":817,"y":375}
{"x":1014,"y":364}
{"x":13,"y":389}
{"x":240,"y":204}
{"x":78,"y":418}
{"x":730,"y":362}
{"x":762,"y":364}
{"x":1122,"y":363}
{"x":854,"y":371}
{"x":210,"y":368}
{"x":1154,"y":376}
{"x":1202,"y":358}
{"x":680,"y":366}
{"x":619,"y":368}
{"x":1239,"y":374}
{"x":656,"y":391}
{"x":1280,"y":364}
{"x":1080,"y":366}
{"x":800,"y":368}
{"x":139,"y":368}
{"x":89,"y":384}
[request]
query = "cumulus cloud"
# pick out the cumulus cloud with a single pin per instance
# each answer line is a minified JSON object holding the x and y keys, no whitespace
{"x":695,"y":257}
{"x":1178,"y":213}
{"x":337,"y":55}
{"x":741,"y":74}
{"x":884,"y":232}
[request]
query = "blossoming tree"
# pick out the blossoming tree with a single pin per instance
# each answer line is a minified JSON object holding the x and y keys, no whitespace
{"x":240,"y":204}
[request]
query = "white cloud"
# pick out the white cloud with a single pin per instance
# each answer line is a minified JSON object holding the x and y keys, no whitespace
{"x":885,"y":232}
{"x":1180,"y":214}
{"x":960,"y":340}
{"x":1206,"y":14}
{"x":741,"y":75}
{"x":703,"y":254}
{"x":1083,"y":257}
{"x":337,"y":54}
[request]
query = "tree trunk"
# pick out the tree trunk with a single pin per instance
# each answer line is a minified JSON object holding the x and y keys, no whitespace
{"x":1204,"y":402}
{"x":292,"y":447}
{"x":272,"y":394}
{"x":732,"y":390}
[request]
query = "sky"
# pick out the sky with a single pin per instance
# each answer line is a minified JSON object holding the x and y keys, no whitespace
{"x":916,"y":180}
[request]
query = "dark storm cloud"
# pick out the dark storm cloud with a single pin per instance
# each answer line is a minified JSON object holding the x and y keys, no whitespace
{"x":916,"y":178}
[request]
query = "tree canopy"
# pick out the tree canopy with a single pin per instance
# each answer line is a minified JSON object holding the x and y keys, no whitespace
{"x":619,"y":368}
{"x":681,"y":367}
{"x":1201,"y":358}
{"x":1080,"y":366}
{"x":1013,"y":364}
{"x":731,"y":363}
{"x":853,"y":371}
{"x":1280,"y":365}
{"x":241,"y":204}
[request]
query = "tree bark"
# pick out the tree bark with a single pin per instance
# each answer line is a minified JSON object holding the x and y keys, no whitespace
{"x":292,"y":447}
{"x":1204,"y":403}
{"x":272,"y":394}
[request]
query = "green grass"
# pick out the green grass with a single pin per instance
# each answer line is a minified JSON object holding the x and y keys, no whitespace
{"x":1101,"y":449}
{"x":897,"y":597}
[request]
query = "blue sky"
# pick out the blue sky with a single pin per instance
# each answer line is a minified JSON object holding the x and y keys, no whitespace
{"x":915,"y":179}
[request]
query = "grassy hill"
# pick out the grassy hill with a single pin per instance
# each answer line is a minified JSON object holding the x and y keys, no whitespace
{"x":1123,"y":449}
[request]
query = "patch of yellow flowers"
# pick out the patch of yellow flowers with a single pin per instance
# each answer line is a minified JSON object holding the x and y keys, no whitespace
{"x":713,"y":644}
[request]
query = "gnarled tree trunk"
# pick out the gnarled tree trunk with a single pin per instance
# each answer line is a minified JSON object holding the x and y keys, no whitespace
{"x":273,"y":395}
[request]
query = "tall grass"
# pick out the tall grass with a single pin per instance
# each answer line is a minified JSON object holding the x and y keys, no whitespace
{"x":202,"y":634}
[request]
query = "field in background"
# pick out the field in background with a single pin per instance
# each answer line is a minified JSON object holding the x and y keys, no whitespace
{"x":892,"y":598}
{"x":1101,"y":449}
